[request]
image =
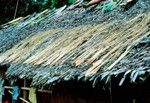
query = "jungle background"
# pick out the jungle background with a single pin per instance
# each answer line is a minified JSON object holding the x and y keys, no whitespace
{"x":11,"y":9}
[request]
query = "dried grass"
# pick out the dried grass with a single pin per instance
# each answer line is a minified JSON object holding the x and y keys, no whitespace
{"x":102,"y":45}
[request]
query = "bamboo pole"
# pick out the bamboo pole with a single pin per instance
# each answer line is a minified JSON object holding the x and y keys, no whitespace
{"x":110,"y":89}
{"x":24,"y":92}
{"x":16,"y":9}
{"x":26,"y":88}
{"x":133,"y":101}
{"x":20,"y":98}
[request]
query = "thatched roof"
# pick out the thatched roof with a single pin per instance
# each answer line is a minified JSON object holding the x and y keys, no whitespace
{"x":15,"y":31}
{"x":91,"y":49}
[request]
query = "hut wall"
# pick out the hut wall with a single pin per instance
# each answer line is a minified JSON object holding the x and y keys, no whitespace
{"x":138,"y":92}
{"x":67,"y":98}
{"x":73,"y":92}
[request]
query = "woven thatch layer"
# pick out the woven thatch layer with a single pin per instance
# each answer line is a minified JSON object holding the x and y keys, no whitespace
{"x":98,"y":48}
{"x":46,"y":75}
{"x":14,"y":32}
{"x":135,"y":64}
{"x":101,"y":47}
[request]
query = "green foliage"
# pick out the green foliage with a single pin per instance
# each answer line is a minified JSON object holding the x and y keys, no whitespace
{"x":71,"y":1}
{"x":40,"y":4}
{"x":108,"y":6}
{"x":43,"y":4}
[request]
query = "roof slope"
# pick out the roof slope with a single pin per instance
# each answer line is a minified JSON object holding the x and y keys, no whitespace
{"x":92,"y":49}
{"x":13,"y":32}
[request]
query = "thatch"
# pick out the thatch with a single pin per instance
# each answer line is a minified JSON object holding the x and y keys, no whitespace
{"x":97,"y":49}
{"x":13,"y":32}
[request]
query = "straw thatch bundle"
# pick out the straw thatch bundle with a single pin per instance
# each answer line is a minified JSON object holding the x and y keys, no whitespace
{"x":97,"y":50}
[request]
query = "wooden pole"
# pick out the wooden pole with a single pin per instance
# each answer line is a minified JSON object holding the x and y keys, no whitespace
{"x":20,"y":98}
{"x":134,"y":101}
{"x":16,"y":9}
{"x":24,"y":92}
{"x":110,"y":89}
{"x":26,"y":88}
